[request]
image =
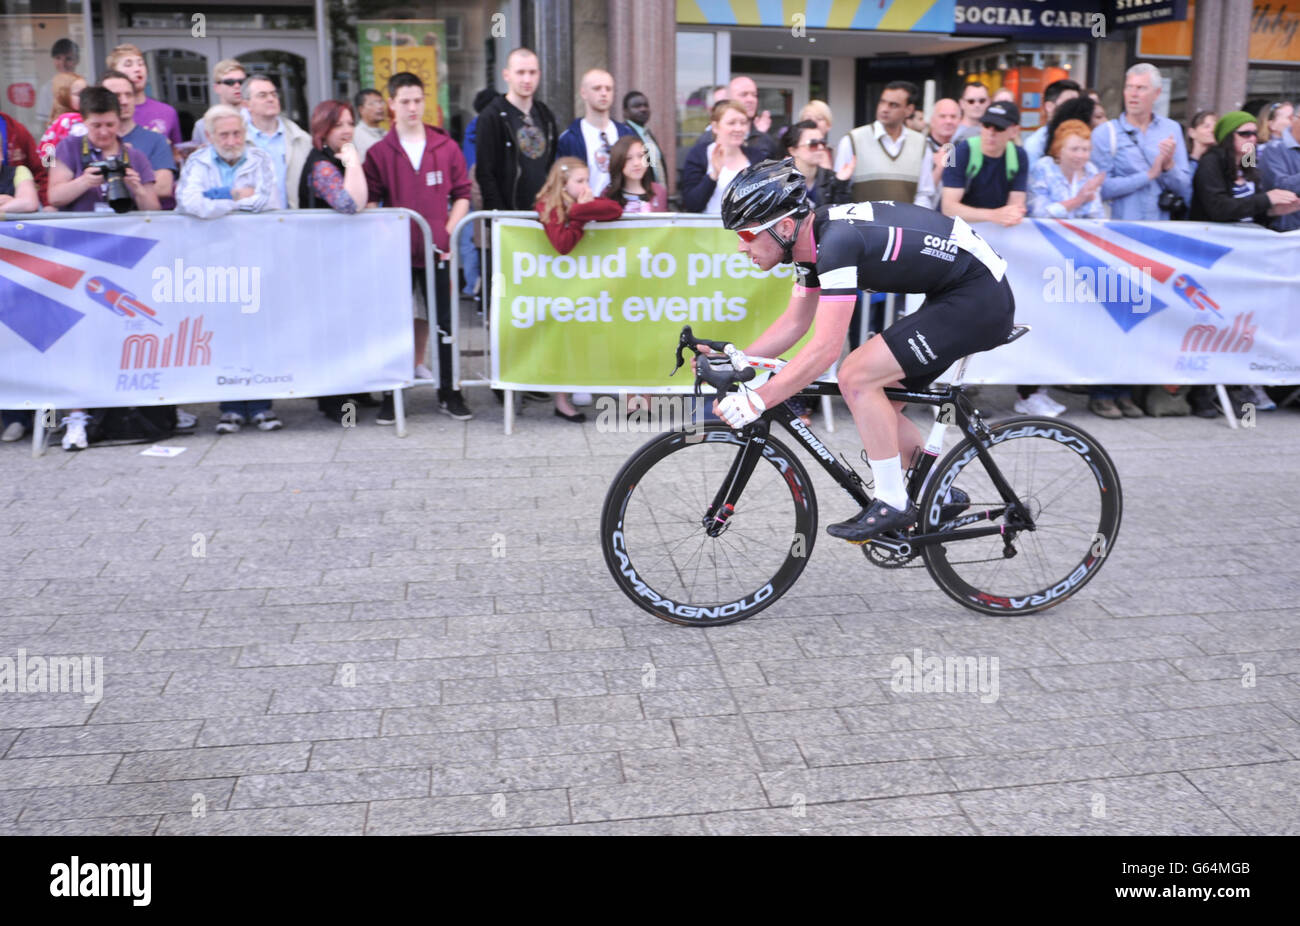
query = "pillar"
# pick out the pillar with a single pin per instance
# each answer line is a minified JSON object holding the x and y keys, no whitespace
{"x":643,"y":56}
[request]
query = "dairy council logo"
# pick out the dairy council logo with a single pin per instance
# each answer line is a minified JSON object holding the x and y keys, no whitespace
{"x":40,"y":320}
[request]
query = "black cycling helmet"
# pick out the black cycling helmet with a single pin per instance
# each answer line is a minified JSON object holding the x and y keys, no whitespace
{"x":764,"y":191}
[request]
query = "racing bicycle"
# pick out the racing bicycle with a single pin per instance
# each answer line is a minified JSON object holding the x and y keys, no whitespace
{"x":707,"y":525}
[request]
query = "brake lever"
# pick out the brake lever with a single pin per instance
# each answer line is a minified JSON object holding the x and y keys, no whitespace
{"x":684,"y":341}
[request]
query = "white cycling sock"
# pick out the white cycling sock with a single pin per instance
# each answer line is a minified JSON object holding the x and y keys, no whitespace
{"x":888,"y":475}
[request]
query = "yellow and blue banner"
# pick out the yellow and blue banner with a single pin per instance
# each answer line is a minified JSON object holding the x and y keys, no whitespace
{"x":882,"y":15}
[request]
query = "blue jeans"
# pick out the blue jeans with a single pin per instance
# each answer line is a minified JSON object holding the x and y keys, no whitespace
{"x":247,"y":409}
{"x":468,"y":257}
{"x":9,"y":415}
{"x":1110,"y":392}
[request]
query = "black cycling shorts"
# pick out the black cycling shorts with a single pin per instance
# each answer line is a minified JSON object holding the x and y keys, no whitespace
{"x":974,"y":315}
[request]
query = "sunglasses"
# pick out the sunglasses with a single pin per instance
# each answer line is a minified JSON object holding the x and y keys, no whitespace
{"x":230,"y":82}
{"x":815,"y":143}
{"x":749,"y":234}
{"x":1246,"y":133}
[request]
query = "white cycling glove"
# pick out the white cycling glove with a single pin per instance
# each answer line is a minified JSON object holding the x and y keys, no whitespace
{"x":738,"y":409}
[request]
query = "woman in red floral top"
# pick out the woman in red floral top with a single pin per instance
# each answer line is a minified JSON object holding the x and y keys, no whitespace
{"x":67,"y":119}
{"x":332,"y":177}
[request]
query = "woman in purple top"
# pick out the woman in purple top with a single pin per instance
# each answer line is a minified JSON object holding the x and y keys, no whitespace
{"x":154,"y":115}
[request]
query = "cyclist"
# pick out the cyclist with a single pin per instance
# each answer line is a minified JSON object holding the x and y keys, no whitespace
{"x":874,"y":246}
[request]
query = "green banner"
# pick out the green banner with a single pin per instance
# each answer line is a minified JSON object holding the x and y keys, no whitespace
{"x":606,"y":316}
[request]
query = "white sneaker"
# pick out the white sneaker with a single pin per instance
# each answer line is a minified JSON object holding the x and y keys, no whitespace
{"x":230,"y":422}
{"x":184,"y":420}
{"x":15,"y":431}
{"x":74,"y":438}
{"x":582,"y":398}
{"x":1039,"y":403}
{"x":267,"y":421}
{"x":423,"y":372}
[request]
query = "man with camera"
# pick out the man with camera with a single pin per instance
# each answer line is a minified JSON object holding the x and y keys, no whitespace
{"x":98,"y":172}
{"x":1142,"y":155}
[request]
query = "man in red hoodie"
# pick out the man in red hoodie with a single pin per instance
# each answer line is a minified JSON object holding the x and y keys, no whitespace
{"x":18,"y":149}
{"x":419,"y":167}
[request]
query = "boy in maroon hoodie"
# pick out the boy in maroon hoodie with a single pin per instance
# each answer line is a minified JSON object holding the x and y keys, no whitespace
{"x":418,"y":167}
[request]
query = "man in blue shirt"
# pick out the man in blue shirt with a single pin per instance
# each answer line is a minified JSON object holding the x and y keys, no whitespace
{"x":1141,"y":154}
{"x":277,"y":135}
{"x":155,"y":146}
{"x":1056,"y":93}
{"x":1280,"y":162}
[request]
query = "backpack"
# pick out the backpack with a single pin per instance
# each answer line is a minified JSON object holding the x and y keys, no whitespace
{"x":977,"y":159}
{"x":137,"y":424}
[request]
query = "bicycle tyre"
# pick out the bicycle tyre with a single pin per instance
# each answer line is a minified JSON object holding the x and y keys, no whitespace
{"x":638,"y":502}
{"x":1087,"y":525}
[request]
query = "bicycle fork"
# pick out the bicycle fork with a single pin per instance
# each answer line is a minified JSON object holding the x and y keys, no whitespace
{"x":742,"y":467}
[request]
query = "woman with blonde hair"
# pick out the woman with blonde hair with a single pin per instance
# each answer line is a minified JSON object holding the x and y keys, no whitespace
{"x":817,"y":111}
{"x":1273,"y":118}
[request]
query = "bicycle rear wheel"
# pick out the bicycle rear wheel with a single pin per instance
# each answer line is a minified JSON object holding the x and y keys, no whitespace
{"x":654,"y":537}
{"x":1072,"y":492}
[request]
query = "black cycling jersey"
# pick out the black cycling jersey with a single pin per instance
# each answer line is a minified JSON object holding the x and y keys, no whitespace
{"x":891,"y":248}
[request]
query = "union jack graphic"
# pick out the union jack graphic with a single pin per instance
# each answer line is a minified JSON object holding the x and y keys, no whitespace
{"x":41,"y":320}
{"x":1170,"y":245}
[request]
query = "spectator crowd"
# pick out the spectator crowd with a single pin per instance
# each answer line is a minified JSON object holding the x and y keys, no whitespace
{"x":966,"y":158}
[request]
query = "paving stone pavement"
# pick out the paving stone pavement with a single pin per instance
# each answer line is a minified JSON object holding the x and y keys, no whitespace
{"x":419,"y":635}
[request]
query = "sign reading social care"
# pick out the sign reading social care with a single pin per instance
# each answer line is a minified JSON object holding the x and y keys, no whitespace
{"x":1071,"y":20}
{"x":165,"y":308}
{"x":607,"y":315}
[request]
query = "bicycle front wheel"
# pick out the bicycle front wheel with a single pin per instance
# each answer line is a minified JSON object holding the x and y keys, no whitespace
{"x":1071,"y":491}
{"x":662,"y":543}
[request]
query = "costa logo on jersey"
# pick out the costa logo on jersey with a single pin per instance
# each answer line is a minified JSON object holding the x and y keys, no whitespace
{"x":942,"y":248}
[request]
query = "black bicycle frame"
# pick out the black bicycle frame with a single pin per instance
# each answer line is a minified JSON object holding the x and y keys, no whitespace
{"x":951,"y":401}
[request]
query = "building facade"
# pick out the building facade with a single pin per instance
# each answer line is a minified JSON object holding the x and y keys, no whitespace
{"x":676,"y":51}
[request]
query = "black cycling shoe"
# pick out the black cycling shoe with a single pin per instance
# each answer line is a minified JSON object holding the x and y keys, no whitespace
{"x":873,"y":521}
{"x":959,"y":503}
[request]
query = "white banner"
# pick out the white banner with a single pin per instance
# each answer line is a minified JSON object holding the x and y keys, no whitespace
{"x":1148,"y":302}
{"x":168,"y":309}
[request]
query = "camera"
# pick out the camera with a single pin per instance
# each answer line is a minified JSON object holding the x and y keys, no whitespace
{"x":113,"y":170}
{"x":1172,"y":203}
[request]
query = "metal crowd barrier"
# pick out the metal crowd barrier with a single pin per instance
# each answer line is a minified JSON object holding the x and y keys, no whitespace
{"x":43,"y":415}
{"x":484,"y":378}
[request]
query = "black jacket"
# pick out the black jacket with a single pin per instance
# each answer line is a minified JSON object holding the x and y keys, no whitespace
{"x":697,"y":187}
{"x":496,"y":158}
{"x":1212,"y":199}
{"x":830,"y":190}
